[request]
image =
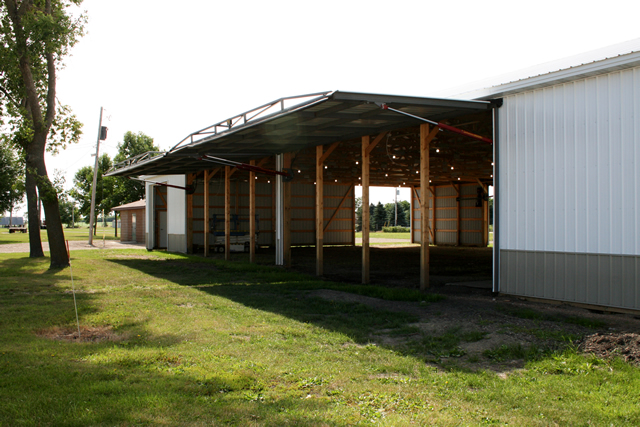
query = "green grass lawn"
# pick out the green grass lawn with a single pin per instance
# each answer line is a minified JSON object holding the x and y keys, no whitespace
{"x":198,"y":341}
{"x":383,"y":235}
{"x":69,"y":234}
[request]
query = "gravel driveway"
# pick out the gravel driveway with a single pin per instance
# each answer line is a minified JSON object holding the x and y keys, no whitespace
{"x":74,"y":245}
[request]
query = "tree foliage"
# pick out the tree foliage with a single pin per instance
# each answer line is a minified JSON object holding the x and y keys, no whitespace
{"x":35,"y":35}
{"x":105,"y":185}
{"x":69,"y":213}
{"x":126,"y":190}
{"x":11,"y":178}
{"x":380,"y":214}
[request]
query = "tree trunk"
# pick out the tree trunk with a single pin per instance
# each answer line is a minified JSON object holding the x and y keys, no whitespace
{"x":49,"y":198}
{"x":35,"y":243}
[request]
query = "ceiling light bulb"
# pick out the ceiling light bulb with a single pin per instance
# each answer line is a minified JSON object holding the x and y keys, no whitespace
{"x":437,"y":150}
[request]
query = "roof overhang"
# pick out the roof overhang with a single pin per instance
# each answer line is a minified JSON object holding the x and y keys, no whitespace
{"x":322,"y":119}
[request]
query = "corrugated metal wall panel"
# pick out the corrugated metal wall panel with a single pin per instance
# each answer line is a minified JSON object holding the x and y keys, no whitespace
{"x":471,"y":224}
{"x":340,"y":229}
{"x":598,"y":279}
{"x":570,"y":167}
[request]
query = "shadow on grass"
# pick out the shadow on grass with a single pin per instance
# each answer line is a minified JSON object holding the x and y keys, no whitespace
{"x":292,"y":295}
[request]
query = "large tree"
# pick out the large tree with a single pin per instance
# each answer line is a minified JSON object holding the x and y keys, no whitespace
{"x":35,"y":36}
{"x":127,"y":190}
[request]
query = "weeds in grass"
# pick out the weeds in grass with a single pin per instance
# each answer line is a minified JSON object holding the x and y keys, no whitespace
{"x":444,"y":345}
{"x":516,"y":352}
{"x":527,"y":313}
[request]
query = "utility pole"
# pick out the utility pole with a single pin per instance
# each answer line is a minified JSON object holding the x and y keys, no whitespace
{"x":102,"y":135}
{"x":396,"y":219}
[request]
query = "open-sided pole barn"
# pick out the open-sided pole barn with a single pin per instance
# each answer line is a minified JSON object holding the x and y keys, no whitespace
{"x":327,"y":143}
{"x":566,"y":146}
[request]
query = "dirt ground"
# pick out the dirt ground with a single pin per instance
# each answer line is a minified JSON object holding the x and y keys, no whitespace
{"x":463,"y":277}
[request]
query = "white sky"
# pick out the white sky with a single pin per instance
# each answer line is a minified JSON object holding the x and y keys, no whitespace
{"x":170,"y":68}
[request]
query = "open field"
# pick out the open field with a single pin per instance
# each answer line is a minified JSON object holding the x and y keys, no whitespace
{"x":181,"y":340}
{"x":383,"y":235}
{"x":69,"y":233}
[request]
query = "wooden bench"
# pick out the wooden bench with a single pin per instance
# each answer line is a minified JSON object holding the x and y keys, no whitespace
{"x":16,"y":229}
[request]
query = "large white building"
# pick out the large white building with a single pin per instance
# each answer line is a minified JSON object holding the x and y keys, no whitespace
{"x":567,"y":181}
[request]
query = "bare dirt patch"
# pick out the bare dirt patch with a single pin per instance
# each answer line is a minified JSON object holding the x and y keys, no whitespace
{"x":87,"y":334}
{"x":488,"y":325}
{"x":623,"y":345}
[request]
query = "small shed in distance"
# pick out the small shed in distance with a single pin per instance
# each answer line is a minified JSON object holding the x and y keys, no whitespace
{"x":132,"y":221}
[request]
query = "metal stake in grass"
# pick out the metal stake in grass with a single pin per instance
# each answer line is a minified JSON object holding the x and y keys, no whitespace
{"x":73,"y":289}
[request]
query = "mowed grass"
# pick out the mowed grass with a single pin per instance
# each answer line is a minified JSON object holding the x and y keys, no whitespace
{"x":81,"y":233}
{"x":198,"y":341}
{"x":383,"y":235}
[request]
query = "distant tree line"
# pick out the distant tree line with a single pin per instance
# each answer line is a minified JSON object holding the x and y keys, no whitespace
{"x":384,"y":215}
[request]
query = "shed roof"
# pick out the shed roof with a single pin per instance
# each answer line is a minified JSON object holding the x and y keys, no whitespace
{"x":272,"y":128}
{"x":140,"y":204}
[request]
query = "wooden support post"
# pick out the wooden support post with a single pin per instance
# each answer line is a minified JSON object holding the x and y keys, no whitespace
{"x":353,"y":217}
{"x":433,"y":214}
{"x":273,"y":212}
{"x":485,"y":214}
{"x":227,"y":213}
{"x":287,"y":215}
{"x":365,"y":209}
{"x":319,"y":210}
{"x":458,"y":218}
{"x":425,"y":139}
{"x":236,"y":206}
{"x":411,"y":218}
{"x":485,"y":222}
{"x":252,"y":214}
{"x":207,"y":176}
{"x":190,"y":178}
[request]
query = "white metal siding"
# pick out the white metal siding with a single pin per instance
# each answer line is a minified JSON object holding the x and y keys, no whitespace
{"x":570,"y":167}
{"x":176,"y":205}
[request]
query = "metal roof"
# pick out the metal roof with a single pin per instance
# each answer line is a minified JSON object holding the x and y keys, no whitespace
{"x":600,"y":61}
{"x":138,"y":204}
{"x":322,"y":118}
